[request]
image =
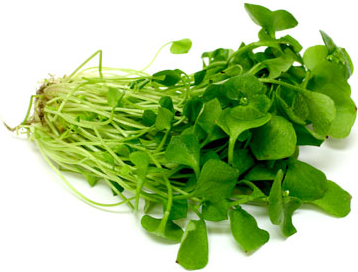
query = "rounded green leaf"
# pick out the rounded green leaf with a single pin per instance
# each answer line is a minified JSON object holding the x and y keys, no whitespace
{"x":335,"y":201}
{"x":245,"y":230}
{"x":304,"y":181}
{"x":194,"y":250}
{"x":181,"y":46}
{"x":274,"y":140}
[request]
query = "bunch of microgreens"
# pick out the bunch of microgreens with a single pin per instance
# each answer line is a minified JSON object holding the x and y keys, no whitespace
{"x":207,"y":142}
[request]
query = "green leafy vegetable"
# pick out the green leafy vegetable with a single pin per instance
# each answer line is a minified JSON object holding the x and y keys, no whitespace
{"x":207,"y":142}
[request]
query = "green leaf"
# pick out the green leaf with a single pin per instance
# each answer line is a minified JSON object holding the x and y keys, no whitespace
{"x":179,"y":209}
{"x":242,"y":160}
{"x":290,"y":205}
{"x":181,"y":46}
{"x":148,"y":118}
{"x":261,"y":16}
{"x":199,"y":77}
{"x":114,"y":96}
{"x":242,"y":85}
{"x":346,"y":110}
{"x":217,"y":55}
{"x":271,"y":21}
{"x":277,"y":66}
{"x":234,"y":127}
{"x":167,"y":77}
{"x":251,"y":108}
{"x":260,"y":172}
{"x":166,"y":102}
{"x":304,"y":181}
{"x":283,"y":20}
{"x":215,"y":210}
{"x":321,"y":112}
{"x":164,"y":119}
{"x":209,"y":115}
{"x":314,"y":55}
{"x":192,"y":109}
{"x":184,"y":149}
{"x":209,"y":155}
{"x":245,"y":230}
{"x":172,"y":231}
{"x":248,"y":191}
{"x":306,"y":137}
{"x":296,"y":46}
{"x":335,"y":201}
{"x":194,"y":250}
{"x":274,"y":140}
{"x":337,"y":55}
{"x":275,"y":206}
{"x":216,"y":181}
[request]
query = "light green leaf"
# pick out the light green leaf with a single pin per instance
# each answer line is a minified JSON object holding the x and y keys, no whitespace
{"x":245,"y":230}
{"x":181,"y":46}
{"x":275,"y":206}
{"x":314,"y":55}
{"x":346,"y":110}
{"x":321,"y":112}
{"x":172,"y":231}
{"x":164,"y":119}
{"x":194,"y":250}
{"x":335,"y":201}
{"x":290,"y":205}
{"x":215,"y":210}
{"x":304,"y":181}
{"x":234,"y":127}
{"x":184,"y":149}
{"x":217,"y":180}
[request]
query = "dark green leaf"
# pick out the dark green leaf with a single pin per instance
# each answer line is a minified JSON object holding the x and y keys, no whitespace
{"x":192,"y":109}
{"x":166,"y":102}
{"x":274,"y":140}
{"x":199,"y":77}
{"x":305,"y":136}
{"x":167,"y":77}
{"x":148,"y":118}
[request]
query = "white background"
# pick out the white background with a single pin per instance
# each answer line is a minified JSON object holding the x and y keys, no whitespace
{"x":43,"y":227}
